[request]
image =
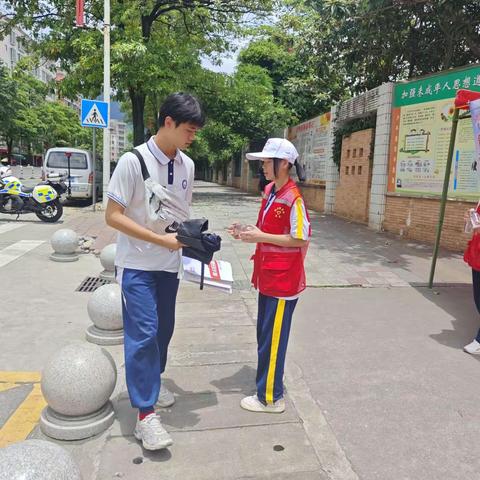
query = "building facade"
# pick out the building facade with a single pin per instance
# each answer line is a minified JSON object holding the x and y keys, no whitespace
{"x":119,"y":142}
{"x":12,"y":50}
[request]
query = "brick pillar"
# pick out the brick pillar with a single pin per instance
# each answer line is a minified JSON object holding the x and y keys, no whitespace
{"x":332,"y":175}
{"x":380,"y":158}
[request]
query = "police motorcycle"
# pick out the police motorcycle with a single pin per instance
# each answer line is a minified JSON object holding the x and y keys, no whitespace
{"x":42,"y":199}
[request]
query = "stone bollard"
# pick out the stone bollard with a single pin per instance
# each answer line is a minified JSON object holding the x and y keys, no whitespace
{"x":77,"y":383}
{"x":21,"y":173}
{"x":37,"y":459}
{"x":107,"y":259}
{"x":105,"y":311}
{"x":64,"y":243}
{"x":32,"y":174}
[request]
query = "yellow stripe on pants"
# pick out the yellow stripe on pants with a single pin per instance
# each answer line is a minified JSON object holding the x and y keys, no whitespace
{"x":277,"y":330}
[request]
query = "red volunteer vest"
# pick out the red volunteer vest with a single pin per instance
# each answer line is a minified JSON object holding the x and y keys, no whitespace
{"x":472,"y":252}
{"x":278,"y":271}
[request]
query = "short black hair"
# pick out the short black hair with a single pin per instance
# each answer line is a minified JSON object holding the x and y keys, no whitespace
{"x":182,"y":108}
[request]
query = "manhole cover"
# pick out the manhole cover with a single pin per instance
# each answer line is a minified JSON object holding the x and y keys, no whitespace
{"x":90,"y":284}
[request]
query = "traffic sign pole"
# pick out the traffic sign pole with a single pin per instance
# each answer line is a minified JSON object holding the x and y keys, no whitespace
{"x":94,"y":186}
{"x":106,"y":98}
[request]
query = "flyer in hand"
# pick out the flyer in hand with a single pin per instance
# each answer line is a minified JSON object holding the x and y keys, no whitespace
{"x":218,"y":273}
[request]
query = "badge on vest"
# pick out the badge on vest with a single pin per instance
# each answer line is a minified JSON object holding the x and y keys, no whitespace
{"x":279,"y":212}
{"x":184,"y":184}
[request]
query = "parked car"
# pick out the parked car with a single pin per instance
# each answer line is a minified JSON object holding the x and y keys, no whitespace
{"x":78,"y":167}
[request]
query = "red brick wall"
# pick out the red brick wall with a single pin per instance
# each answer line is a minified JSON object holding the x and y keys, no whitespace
{"x":417,"y":218}
{"x":353,"y":191}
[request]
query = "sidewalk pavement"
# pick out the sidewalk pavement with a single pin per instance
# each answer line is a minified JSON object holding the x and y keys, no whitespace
{"x":377,"y":384}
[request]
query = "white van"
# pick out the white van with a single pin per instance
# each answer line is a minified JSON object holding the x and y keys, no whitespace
{"x":56,"y":161}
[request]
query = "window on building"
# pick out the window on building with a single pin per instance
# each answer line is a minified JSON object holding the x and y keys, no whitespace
{"x":361,"y":153}
{"x":12,"y":38}
{"x":13,"y":56}
{"x":359,"y":169}
{"x":347,"y":170}
{"x":353,"y":169}
{"x":348,"y":153}
{"x":354,"y":153}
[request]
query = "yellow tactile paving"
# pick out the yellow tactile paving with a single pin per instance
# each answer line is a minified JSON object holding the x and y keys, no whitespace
{"x":27,"y":415}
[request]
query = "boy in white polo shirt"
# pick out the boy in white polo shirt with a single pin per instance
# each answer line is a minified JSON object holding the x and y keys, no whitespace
{"x":148,"y":259}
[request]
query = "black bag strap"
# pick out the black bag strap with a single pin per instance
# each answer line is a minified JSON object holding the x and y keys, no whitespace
{"x":144,"y":168}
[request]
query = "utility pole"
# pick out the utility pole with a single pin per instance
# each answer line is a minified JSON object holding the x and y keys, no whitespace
{"x":106,"y":98}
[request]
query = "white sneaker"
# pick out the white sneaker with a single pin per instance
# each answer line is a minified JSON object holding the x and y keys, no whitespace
{"x":472,"y":348}
{"x":253,"y":404}
{"x":152,"y":434}
{"x":165,"y":397}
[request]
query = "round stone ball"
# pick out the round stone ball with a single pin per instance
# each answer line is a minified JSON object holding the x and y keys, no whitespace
{"x":105,"y":307}
{"x":37,"y":460}
{"x":64,"y":241}
{"x":79,"y":379}
{"x":107,"y":257}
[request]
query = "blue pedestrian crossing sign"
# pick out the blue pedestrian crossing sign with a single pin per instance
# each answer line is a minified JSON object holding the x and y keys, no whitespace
{"x":94,"y":113}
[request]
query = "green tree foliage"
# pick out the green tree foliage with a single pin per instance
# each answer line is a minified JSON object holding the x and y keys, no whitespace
{"x":376,"y":41}
{"x":152,"y":41}
{"x":322,"y":51}
{"x":241,"y":108}
{"x":26,"y":115}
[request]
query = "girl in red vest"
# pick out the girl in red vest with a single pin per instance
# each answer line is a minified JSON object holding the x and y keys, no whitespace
{"x":281,"y":234}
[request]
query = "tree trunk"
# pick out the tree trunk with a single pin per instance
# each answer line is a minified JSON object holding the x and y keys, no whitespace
{"x":138,"y":106}
{"x":9,"y":149}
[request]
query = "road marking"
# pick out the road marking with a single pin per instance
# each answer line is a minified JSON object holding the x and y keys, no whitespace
{"x":7,"y":227}
{"x":18,"y":249}
{"x":8,"y":386}
{"x":20,"y":377}
{"x":26,"y":416}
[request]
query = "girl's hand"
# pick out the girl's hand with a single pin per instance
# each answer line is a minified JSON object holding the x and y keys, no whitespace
{"x":251,"y":235}
{"x":233,"y":231}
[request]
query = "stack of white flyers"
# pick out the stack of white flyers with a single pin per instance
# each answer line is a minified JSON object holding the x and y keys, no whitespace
{"x":218,"y":273}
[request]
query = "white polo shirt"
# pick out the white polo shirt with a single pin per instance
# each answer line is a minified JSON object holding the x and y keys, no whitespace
{"x":126,"y":188}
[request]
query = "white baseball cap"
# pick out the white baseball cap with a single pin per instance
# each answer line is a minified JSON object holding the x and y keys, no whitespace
{"x":276,"y":148}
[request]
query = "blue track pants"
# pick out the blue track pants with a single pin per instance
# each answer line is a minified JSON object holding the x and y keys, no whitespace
{"x":148,"y":319}
{"x":273,"y":329}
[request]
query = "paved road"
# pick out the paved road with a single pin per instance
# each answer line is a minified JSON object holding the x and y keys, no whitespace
{"x":377,"y":384}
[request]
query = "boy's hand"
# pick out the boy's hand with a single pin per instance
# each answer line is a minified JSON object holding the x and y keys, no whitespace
{"x":169,"y":240}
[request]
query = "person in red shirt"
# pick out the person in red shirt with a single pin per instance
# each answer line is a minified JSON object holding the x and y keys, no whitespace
{"x":281,"y":235}
{"x":472,"y":257}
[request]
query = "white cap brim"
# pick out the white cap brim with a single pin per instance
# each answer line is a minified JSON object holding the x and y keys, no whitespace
{"x":258,"y":156}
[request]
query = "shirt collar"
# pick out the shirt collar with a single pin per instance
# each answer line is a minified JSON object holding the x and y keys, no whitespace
{"x":159,"y":155}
